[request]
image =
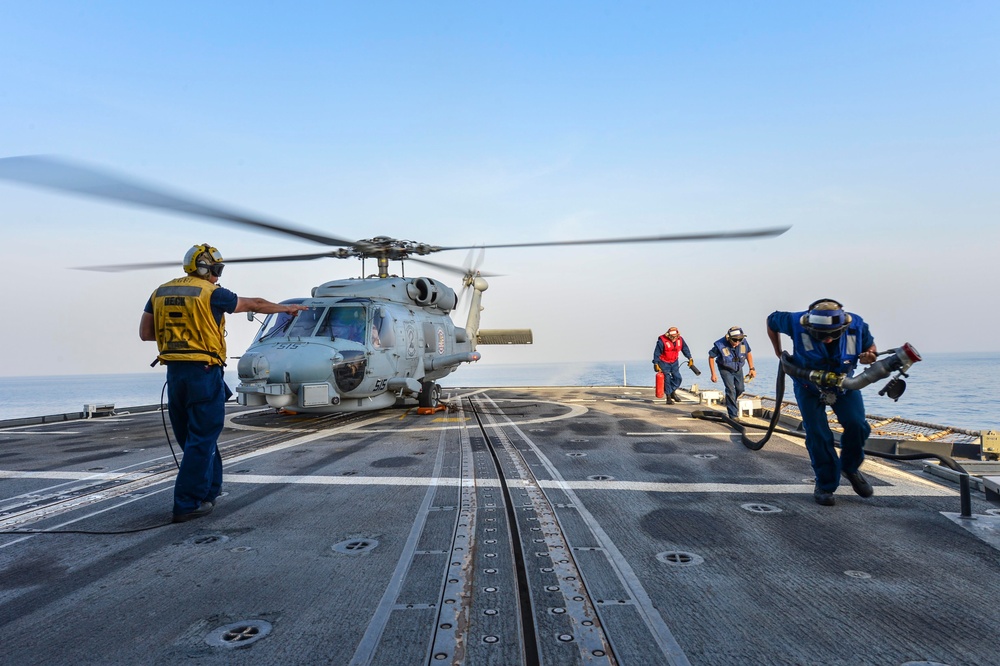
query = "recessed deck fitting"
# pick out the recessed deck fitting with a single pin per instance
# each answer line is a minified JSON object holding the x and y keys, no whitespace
{"x":680,"y":558}
{"x":239,"y":634}
{"x":757,"y":507}
{"x":355,"y":546}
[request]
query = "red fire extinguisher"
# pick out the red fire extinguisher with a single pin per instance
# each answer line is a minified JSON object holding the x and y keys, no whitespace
{"x":659,"y":385}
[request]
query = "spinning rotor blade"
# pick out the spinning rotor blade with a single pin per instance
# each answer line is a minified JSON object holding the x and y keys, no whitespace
{"x":716,"y":235}
{"x":445,"y":267}
{"x":472,"y":265}
{"x":57,"y":174}
{"x":117,"y":268}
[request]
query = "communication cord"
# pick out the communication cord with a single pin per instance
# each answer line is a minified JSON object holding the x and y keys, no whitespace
{"x":166,"y":431}
{"x":132,"y":531}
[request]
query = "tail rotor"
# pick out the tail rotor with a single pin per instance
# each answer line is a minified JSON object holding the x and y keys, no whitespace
{"x":473,"y":260}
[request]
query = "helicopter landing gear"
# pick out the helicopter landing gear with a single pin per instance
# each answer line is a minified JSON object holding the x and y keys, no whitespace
{"x":429,"y":400}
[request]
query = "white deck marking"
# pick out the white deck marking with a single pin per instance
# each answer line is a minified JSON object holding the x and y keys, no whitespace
{"x":47,"y":432}
{"x":74,"y":476}
{"x":908,"y":485}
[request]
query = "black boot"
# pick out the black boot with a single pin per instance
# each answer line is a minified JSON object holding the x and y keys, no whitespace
{"x":859,"y":483}
{"x":673,"y":396}
{"x":823,"y":497}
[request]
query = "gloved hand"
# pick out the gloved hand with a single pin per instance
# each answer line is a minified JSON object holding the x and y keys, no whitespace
{"x":690,"y":362}
{"x":657,"y":368}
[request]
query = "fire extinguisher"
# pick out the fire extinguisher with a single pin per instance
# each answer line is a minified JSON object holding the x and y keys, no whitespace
{"x":659,"y":385}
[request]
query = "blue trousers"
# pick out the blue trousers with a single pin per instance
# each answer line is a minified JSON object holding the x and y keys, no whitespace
{"x":850,"y":411}
{"x":671,"y":375}
{"x":197,"y":405}
{"x":734,"y":389}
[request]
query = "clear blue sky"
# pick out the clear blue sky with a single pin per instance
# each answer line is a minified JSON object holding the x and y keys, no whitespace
{"x":871,"y":127}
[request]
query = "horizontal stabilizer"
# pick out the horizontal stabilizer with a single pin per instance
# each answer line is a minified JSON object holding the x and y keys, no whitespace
{"x":505,"y":336}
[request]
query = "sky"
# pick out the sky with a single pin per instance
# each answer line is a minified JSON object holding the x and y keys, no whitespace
{"x":870,"y":128}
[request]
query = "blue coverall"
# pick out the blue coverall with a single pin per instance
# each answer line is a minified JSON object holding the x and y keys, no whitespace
{"x":731,"y":370}
{"x":849,"y":406}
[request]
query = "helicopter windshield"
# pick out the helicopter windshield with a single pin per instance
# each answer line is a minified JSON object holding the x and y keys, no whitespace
{"x":281,"y":325}
{"x":344,"y":322}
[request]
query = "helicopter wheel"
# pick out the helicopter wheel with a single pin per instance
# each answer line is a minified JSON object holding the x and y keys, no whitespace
{"x":430,"y":394}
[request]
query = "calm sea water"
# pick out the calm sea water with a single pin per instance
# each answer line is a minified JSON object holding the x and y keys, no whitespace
{"x":957,"y":390}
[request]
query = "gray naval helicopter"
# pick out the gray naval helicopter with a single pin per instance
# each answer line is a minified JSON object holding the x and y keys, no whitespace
{"x":364,"y":343}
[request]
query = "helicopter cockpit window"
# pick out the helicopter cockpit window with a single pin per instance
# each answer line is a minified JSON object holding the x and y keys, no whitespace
{"x":277,"y":325}
{"x":305,"y":323}
{"x":346,"y":322}
{"x":382,"y":333}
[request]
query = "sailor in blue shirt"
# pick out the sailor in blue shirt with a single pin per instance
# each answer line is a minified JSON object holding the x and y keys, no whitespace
{"x":731,"y":352}
{"x":826,"y":337}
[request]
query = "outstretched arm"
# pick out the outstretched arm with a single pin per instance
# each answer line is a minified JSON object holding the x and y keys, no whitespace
{"x":264,"y":306}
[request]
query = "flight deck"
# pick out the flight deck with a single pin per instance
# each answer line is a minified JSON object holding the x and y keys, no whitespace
{"x":553,"y":525}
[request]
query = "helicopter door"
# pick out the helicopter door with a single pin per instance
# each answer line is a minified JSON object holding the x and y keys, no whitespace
{"x":383,"y":335}
{"x":382,"y":343}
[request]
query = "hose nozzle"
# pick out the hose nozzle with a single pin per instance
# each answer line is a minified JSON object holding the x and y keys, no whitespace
{"x":897,"y":360}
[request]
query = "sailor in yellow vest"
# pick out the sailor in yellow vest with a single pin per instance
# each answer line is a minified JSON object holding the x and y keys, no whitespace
{"x":186,"y":318}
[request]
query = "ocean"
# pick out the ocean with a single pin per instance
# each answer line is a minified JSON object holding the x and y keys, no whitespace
{"x":946,"y":389}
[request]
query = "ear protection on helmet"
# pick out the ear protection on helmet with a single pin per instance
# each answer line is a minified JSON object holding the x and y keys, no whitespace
{"x":825,"y":320}
{"x":195,"y":264}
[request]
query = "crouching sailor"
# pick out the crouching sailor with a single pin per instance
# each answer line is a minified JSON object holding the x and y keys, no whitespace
{"x":186,"y":318}
{"x":827,"y":338}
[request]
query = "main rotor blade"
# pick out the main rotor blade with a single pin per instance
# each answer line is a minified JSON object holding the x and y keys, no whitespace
{"x":445,"y":267}
{"x":65,"y":176}
{"x":717,"y":235}
{"x":118,"y":268}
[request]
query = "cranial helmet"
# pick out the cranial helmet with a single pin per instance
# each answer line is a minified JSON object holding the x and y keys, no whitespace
{"x":825,"y":319}
{"x":202,"y":260}
{"x":673,"y":333}
{"x":735,"y":334}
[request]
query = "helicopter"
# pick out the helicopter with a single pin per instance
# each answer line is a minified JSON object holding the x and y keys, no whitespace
{"x":364,"y":343}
